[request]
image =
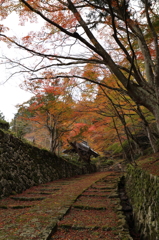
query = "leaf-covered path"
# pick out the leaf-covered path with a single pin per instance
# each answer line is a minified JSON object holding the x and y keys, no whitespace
{"x":88,"y":207}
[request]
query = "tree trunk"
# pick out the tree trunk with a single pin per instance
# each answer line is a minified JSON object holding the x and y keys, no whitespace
{"x":147,"y":98}
{"x":124,"y":152}
{"x":156,"y":115}
{"x":148,"y":130}
{"x":53,"y":138}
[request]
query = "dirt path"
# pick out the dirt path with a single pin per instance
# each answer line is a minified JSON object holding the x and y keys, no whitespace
{"x":36,"y":213}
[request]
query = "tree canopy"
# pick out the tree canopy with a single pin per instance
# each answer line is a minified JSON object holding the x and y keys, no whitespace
{"x":111,"y":43}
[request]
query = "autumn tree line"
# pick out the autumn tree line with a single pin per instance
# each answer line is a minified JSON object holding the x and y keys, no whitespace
{"x":93,"y":71}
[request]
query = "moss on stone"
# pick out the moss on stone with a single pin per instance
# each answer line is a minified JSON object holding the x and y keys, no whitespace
{"x":142,"y":189}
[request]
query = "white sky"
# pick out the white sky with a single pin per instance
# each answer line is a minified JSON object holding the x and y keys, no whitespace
{"x":10,"y":96}
{"x":10,"y":92}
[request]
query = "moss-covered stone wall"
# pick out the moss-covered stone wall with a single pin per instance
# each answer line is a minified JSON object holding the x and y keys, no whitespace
{"x":23,"y":166}
{"x":143,"y":190}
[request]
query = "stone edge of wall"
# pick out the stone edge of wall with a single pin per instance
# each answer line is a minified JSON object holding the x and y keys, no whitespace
{"x":123,"y":227}
{"x":23,"y":166}
{"x":143,"y":191}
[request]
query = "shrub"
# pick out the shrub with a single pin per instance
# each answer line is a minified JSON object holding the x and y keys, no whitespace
{"x":4,"y":125}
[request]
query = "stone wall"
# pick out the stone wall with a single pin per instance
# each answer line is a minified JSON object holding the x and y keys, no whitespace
{"x":23,"y":166}
{"x":143,"y":190}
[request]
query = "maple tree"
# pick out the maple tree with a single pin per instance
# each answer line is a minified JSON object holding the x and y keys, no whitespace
{"x":91,"y":38}
{"x":50,"y":110}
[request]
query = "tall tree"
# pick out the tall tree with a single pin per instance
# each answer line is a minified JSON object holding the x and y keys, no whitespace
{"x":51,"y":108}
{"x":107,"y":33}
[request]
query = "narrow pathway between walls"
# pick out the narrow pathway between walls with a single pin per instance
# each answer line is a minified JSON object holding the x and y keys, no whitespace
{"x":83,"y":207}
